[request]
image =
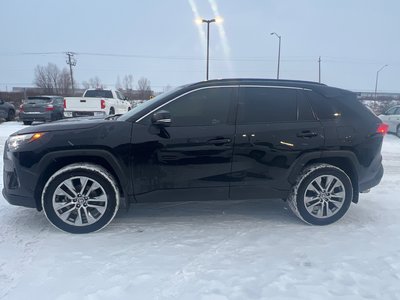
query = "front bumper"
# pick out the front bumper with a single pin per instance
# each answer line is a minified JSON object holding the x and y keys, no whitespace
{"x":13,"y":191}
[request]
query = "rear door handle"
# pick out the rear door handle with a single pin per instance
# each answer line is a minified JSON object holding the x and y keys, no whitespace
{"x":217,"y":141}
{"x":307,"y":134}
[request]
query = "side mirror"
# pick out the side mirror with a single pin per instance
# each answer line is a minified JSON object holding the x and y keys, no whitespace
{"x":161,"y":118}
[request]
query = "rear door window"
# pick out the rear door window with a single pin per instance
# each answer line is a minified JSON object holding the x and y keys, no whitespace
{"x":266,"y":105}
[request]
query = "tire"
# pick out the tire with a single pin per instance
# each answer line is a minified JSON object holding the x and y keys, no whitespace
{"x":315,"y":200}
{"x":81,"y":198}
{"x":28,"y":122}
{"x":112,"y":111}
{"x":11,"y":115}
{"x":398,"y":131}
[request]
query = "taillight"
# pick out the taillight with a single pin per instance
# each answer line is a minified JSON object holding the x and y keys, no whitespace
{"x":21,"y":107}
{"x":103,"y":103}
{"x":49,"y":107}
{"x":65,"y":103}
{"x":382,"y":128}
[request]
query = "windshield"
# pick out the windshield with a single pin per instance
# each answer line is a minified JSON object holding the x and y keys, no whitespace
{"x":98,"y":94}
{"x":37,"y":100}
{"x":146,"y":104}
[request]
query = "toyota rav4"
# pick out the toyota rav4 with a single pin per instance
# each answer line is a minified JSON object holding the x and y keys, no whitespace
{"x":315,"y":146}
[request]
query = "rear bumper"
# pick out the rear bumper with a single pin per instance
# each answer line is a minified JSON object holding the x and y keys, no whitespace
{"x":372,"y":180}
{"x":44,"y":116}
{"x":75,"y":114}
{"x":19,"y":200}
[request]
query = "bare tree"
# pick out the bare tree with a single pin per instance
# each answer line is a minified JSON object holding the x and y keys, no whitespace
{"x":95,"y":82}
{"x":118,"y":85}
{"x":128,"y":82}
{"x":64,"y":83}
{"x":144,"y":89}
{"x":52,"y":80}
{"x":167,"y":88}
{"x":42,"y":80}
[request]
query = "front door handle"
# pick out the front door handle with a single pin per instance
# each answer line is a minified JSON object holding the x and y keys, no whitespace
{"x":307,"y":134}
{"x":219,"y":141}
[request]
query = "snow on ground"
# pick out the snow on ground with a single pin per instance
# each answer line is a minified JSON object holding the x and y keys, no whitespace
{"x":212,"y":250}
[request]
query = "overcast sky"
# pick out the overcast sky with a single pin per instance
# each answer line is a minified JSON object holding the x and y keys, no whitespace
{"x":159,"y":39}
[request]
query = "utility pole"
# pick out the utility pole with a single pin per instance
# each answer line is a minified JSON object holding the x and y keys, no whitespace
{"x":71,"y":61}
{"x":319,"y":69}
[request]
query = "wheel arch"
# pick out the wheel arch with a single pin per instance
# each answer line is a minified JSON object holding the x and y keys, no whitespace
{"x":344,"y":160}
{"x":53,"y":162}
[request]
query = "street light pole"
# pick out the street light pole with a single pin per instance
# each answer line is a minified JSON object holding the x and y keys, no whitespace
{"x":208,"y":43}
{"x":279,"y":52}
{"x":376,"y":80}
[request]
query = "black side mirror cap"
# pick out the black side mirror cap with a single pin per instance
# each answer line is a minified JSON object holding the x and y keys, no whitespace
{"x":161,"y":118}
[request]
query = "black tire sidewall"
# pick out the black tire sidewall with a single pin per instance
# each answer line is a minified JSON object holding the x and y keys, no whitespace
{"x":306,"y":181}
{"x":104,"y":219}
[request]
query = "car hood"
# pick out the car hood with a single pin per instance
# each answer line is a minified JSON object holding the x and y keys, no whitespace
{"x":66,"y":124}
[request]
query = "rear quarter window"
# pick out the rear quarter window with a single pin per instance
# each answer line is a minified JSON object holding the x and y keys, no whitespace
{"x":324,"y":108}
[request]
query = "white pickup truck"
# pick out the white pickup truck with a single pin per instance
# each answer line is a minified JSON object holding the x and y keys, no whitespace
{"x":96,"y":102}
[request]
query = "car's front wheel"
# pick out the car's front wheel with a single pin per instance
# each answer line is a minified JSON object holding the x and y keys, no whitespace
{"x":81,"y":198}
{"x":322,"y":194}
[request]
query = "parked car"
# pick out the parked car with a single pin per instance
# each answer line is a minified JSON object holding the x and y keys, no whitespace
{"x":316,"y":146}
{"x":96,"y":102}
{"x":41,"y":108}
{"x":7,"y":111}
{"x":392,"y":118}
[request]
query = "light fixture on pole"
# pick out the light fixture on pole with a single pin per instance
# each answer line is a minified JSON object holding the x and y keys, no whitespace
{"x":208,"y":22}
{"x":279,"y":52}
{"x":376,"y":80}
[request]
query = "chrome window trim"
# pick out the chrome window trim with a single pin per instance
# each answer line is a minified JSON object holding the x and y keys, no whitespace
{"x":220,"y":86}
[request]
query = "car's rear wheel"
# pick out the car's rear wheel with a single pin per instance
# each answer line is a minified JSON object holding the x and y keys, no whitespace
{"x":81,"y":198}
{"x":322,"y":194}
{"x":11,"y":115}
{"x":398,"y":131}
{"x":27,"y":122}
{"x":112,"y":111}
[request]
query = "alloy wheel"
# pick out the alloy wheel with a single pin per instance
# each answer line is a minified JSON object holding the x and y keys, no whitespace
{"x":324,"y":196}
{"x":79,"y":201}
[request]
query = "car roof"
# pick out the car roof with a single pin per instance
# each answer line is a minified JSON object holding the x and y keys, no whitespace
{"x":315,"y":86}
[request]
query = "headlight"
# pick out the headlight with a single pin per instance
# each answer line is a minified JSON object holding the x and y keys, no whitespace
{"x":14,"y":142}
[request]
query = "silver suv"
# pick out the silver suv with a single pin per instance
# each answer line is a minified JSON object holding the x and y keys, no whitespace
{"x":392,"y":118}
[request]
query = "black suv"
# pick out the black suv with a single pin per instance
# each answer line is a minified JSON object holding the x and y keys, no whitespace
{"x":313,"y":145}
